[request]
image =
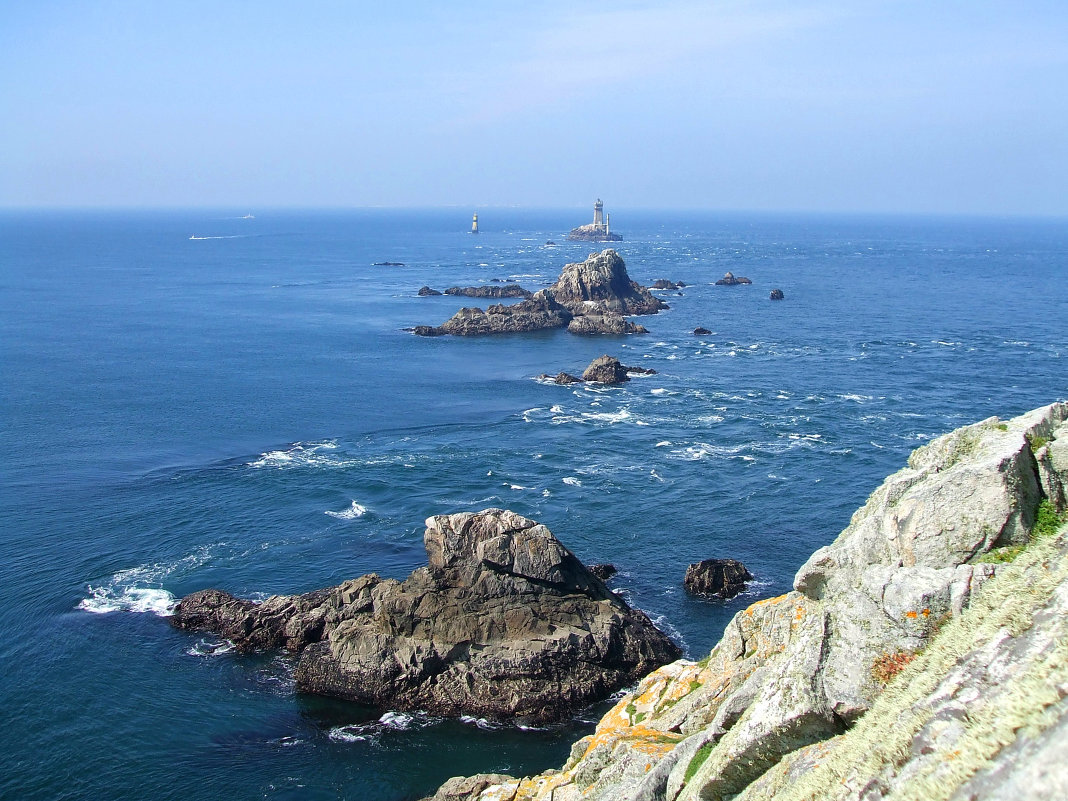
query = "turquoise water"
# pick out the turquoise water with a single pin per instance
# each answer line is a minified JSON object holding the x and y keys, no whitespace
{"x":245,"y":411}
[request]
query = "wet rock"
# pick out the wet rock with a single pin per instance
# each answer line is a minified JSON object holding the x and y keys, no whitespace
{"x":719,"y":578}
{"x":701,"y":332}
{"x":731,"y":280}
{"x":776,"y":294}
{"x":663,"y":283}
{"x":426,"y":292}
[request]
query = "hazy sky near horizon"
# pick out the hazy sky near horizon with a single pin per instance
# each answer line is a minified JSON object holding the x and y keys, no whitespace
{"x":894,"y":106}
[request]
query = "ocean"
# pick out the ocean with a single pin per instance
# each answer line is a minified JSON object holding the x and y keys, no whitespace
{"x":194,"y":399}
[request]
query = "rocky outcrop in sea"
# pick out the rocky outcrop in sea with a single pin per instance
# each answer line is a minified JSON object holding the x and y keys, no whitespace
{"x":503,"y":622}
{"x":718,"y":578}
{"x":505,"y":291}
{"x":590,"y":297}
{"x":602,"y":370}
{"x":921,"y":655}
{"x":730,"y":279}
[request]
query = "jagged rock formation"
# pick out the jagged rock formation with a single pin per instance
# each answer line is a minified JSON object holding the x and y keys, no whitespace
{"x":603,"y":571}
{"x":589,"y":297}
{"x":506,"y":291}
{"x":427,"y":292}
{"x":719,"y":578}
{"x":602,"y":283}
{"x":729,"y":279}
{"x":504,"y":622}
{"x":664,"y":283}
{"x":922,"y":655}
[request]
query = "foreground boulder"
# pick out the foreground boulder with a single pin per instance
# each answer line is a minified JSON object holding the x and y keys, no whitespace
{"x":923,"y":654}
{"x":718,"y":578}
{"x":504,"y":622}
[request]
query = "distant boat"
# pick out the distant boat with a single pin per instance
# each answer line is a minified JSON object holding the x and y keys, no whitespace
{"x":248,"y":217}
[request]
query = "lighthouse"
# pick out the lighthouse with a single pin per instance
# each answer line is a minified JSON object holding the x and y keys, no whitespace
{"x":474,"y":223}
{"x":598,"y":214}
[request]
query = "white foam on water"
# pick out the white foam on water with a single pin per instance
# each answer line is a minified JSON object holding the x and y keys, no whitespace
{"x":301,"y":454}
{"x":545,"y":493}
{"x":572,"y":481}
{"x":139,"y":589}
{"x":348,"y":734}
{"x":663,"y":444}
{"x":481,"y":723}
{"x":206,"y":647}
{"x":355,"y":510}
{"x":662,"y":391}
{"x":516,"y":487}
{"x":856,"y":398}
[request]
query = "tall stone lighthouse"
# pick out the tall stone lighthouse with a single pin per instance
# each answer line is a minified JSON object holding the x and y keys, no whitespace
{"x":598,"y":230}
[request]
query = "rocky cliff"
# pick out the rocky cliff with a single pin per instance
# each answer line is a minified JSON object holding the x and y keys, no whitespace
{"x":922,"y":655}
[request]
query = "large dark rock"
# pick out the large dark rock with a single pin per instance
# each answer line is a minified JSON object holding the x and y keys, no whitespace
{"x":701,"y":332}
{"x":601,"y":282}
{"x":534,"y":314}
{"x":730,"y":279}
{"x":427,"y":292}
{"x":504,"y":621}
{"x":603,"y":571}
{"x":776,"y":294}
{"x":721,"y":578}
{"x":506,"y":291}
{"x":664,"y":283}
{"x":608,"y":370}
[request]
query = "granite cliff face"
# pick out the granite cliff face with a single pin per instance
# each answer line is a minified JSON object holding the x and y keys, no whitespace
{"x":922,"y":655}
{"x":504,"y":622}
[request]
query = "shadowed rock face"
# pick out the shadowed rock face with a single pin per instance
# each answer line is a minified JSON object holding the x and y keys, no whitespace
{"x":506,"y":291}
{"x":504,"y":621}
{"x":722,"y":578}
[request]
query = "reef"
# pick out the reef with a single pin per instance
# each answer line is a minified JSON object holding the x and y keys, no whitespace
{"x":921,"y":655}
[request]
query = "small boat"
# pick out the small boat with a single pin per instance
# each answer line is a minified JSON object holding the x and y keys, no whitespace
{"x":248,"y":217}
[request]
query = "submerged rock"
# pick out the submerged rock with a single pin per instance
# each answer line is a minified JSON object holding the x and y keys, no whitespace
{"x":720,"y":578}
{"x":503,"y":622}
{"x":731,"y":280}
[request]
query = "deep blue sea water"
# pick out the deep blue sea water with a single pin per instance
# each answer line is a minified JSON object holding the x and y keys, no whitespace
{"x":243,"y":410}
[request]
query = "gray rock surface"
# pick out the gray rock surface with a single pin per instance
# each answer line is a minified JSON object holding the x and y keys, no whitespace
{"x":537,"y":313}
{"x":504,"y":622}
{"x":602,"y":282}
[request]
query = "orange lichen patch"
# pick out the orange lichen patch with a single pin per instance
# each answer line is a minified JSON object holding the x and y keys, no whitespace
{"x":887,"y":666}
{"x":911,"y":615}
{"x":765,"y":601}
{"x":639,"y":737}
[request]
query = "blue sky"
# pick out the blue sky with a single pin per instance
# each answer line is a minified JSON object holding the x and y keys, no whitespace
{"x":937,"y":106}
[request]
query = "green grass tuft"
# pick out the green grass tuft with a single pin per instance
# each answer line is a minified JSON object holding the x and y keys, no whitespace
{"x":697,"y":761}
